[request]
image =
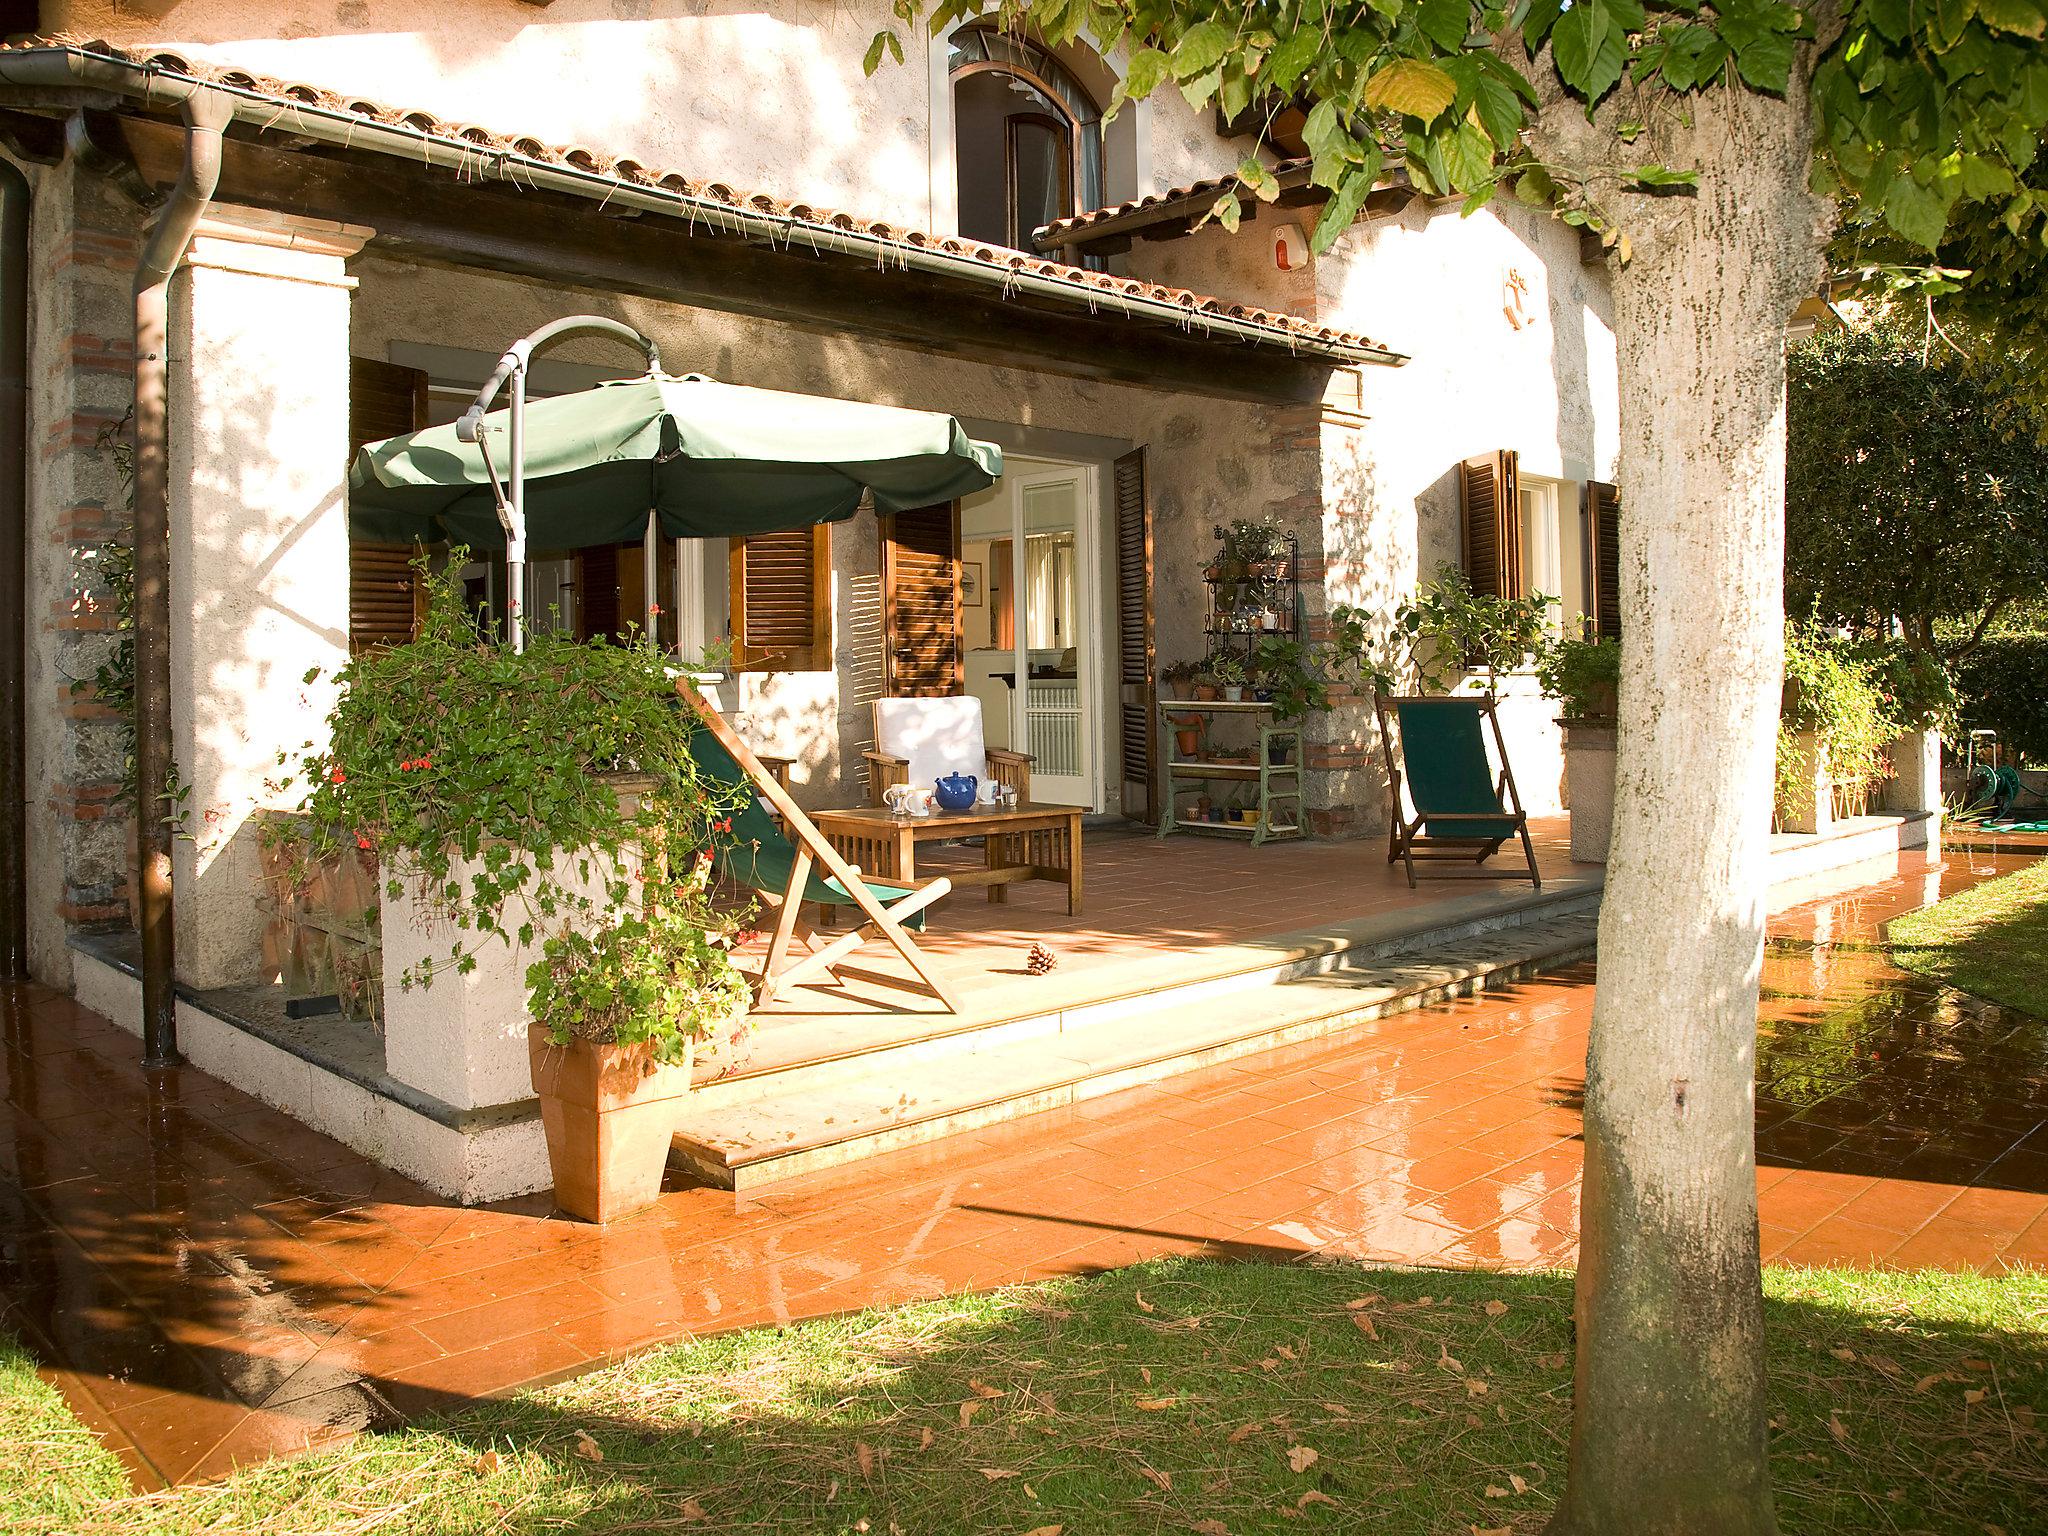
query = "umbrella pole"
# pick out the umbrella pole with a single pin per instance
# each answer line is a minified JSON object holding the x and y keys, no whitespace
{"x":515,"y":534}
{"x":650,"y":581}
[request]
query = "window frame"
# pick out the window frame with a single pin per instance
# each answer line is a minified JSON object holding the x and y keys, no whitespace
{"x":817,"y":656}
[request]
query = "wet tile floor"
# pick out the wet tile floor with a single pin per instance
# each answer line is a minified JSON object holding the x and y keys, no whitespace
{"x":211,"y":1283}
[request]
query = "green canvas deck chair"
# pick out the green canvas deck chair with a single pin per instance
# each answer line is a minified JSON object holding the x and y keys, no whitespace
{"x":1462,"y":813}
{"x":776,"y":850}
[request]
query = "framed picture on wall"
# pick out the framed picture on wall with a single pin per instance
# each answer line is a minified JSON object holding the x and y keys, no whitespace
{"x":971,"y":594}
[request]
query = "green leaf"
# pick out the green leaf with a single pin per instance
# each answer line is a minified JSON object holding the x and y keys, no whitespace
{"x":1201,"y":48}
{"x":1445,"y":23}
{"x":1259,"y":180}
{"x":2021,"y":17}
{"x":1951,"y":21}
{"x":1147,"y":69}
{"x":1292,"y":58}
{"x":1765,"y":62}
{"x":1322,"y":131}
{"x":1663,"y":176}
{"x":1917,"y":213}
{"x":1468,"y":158}
{"x":1413,"y":87}
{"x":1984,"y":178}
{"x":1893,"y":18}
{"x":1235,"y":96}
{"x":1499,"y":109}
{"x":1587,"y":46}
{"x":872,"y":60}
{"x":1227,"y":210}
{"x":1343,"y":208}
{"x":1198,"y":90}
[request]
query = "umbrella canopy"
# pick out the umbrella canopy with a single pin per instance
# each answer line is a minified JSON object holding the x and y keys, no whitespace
{"x":713,"y":460}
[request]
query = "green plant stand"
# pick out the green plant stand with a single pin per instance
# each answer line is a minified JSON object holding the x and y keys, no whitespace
{"x":1278,"y":809}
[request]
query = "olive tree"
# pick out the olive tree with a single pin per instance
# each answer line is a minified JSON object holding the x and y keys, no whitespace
{"x":1714,"y":144}
{"x":1916,"y":483}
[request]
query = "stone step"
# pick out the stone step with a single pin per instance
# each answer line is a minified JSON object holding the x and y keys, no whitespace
{"x":745,"y":1143}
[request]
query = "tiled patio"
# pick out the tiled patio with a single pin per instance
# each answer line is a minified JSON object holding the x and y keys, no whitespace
{"x":211,"y":1282}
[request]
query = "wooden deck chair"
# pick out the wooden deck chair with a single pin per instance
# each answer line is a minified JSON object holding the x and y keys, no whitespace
{"x":776,"y":850}
{"x":1462,"y":813}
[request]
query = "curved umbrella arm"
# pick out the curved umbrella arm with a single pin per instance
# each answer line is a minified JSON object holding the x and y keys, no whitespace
{"x":520,"y":354}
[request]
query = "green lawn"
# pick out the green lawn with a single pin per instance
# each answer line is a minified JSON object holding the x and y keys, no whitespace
{"x":1991,"y":940}
{"x":1177,"y":1396}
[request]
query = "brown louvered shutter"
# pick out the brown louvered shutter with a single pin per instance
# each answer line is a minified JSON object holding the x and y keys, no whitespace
{"x":1600,"y":519}
{"x":384,"y":596}
{"x":1490,"y":492}
{"x":780,"y":588}
{"x":1136,"y":710}
{"x":922,"y":644}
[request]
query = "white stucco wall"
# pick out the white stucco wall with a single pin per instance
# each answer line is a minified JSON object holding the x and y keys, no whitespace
{"x":767,"y":97}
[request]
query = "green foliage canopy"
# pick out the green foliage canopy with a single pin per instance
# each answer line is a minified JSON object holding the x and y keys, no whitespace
{"x":1922,"y":108}
{"x":1915,"y":486}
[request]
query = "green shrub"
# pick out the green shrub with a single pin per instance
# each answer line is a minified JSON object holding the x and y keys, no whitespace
{"x":2003,"y":685}
{"x":1582,"y":675}
{"x":1838,"y":697}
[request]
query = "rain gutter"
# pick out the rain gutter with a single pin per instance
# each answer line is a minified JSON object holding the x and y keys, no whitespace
{"x":14,"y":214}
{"x":67,"y":67}
{"x":207,"y":115}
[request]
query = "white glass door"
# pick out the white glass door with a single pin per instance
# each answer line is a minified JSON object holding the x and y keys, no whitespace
{"x":1051,"y":565}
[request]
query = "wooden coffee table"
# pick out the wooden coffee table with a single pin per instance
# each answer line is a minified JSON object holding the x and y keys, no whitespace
{"x":1021,"y":842}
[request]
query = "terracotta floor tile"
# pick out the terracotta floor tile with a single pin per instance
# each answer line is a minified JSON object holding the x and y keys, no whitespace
{"x":243,"y":1260}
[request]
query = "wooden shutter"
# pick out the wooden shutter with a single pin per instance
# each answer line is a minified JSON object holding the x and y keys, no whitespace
{"x":1490,"y":492}
{"x":1137,"y":713}
{"x":1600,"y":525}
{"x":780,"y":589}
{"x":922,"y":644}
{"x":597,"y":589}
{"x":384,"y":595}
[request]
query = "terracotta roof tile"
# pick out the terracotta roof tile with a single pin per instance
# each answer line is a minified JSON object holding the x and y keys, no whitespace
{"x":1283,"y":327}
{"x":1208,"y":189}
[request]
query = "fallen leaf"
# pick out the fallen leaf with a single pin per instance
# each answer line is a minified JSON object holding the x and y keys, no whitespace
{"x":1496,"y":1309}
{"x":996,"y":1474}
{"x":1161,"y":1480}
{"x":1929,"y":1381}
{"x":865,"y":1455}
{"x":1268,"y":1363}
{"x":1842,"y":1354}
{"x":1146,"y":1372}
{"x":1156,"y":1404}
{"x":1495,"y":1491}
{"x":1517,"y":1482}
{"x":982,"y":1389}
{"x":1143,"y":1304}
{"x":1301,"y":1457}
{"x":1210,"y":1528}
{"x":1447,"y":1361}
{"x":1045,"y":1530}
{"x":1886,"y":1364}
{"x":1283,"y":1351}
{"x":832,"y":1496}
{"x":692,"y":1510}
{"x":1975,"y":1395}
{"x":1838,"y":1429}
{"x":861,"y":1524}
{"x":1474,"y":1387}
{"x":487,"y":1464}
{"x":1313,"y":1496}
{"x":1976,"y":1365}
{"x":1365,"y":1325}
{"x":1030,"y":1492}
{"x":968,"y":1410}
{"x":925,"y":1438}
{"x":1244,"y":1432}
{"x":1363,"y":1301}
{"x":587,"y":1448}
{"x":1492,"y":1530}
{"x":1552,"y":1362}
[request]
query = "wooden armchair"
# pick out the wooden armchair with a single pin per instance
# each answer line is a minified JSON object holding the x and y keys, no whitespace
{"x":920,"y":741}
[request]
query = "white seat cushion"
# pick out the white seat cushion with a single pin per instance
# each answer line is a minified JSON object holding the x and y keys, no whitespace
{"x":936,"y":737}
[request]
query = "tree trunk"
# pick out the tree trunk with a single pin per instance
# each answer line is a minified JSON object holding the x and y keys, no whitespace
{"x":1668,"y":1432}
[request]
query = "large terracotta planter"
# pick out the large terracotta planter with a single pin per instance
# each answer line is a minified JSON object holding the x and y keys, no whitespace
{"x":1589,"y":785}
{"x":609,"y":1111}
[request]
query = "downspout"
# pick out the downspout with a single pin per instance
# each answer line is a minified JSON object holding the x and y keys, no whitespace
{"x":206,"y":115}
{"x":14,"y":201}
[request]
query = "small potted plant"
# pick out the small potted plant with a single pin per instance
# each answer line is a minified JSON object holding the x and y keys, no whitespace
{"x":618,"y":1009}
{"x":1583,"y":676}
{"x":1178,"y":677}
{"x":1229,"y":672}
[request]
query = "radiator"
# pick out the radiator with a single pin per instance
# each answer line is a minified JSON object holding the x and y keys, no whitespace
{"x":1052,"y":723}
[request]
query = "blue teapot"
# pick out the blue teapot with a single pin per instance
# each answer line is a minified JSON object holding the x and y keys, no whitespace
{"x":956,"y":791}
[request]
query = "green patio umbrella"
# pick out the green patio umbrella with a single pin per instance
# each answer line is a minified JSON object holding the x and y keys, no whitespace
{"x":710,"y":460}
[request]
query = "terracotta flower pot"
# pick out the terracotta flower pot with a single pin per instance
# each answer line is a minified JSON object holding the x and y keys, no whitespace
{"x":609,"y":1111}
{"x":1187,"y":741}
{"x":1205,"y":693}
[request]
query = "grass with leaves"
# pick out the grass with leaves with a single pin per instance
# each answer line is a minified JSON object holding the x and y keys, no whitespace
{"x":1177,"y":1396}
{"x":1991,"y":939}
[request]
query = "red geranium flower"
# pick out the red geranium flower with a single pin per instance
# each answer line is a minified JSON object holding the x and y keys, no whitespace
{"x":362,"y":842}
{"x":337,"y":775}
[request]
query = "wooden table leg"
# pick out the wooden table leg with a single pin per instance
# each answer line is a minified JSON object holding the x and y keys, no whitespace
{"x":1074,"y":865}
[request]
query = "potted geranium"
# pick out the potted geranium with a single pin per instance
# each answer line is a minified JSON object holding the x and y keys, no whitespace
{"x":617,"y":1012}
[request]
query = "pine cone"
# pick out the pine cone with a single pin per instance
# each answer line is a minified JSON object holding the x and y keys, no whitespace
{"x":1041,"y":960}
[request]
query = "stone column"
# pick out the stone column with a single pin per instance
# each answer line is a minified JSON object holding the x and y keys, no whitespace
{"x":1915,"y":784}
{"x":259,"y":381}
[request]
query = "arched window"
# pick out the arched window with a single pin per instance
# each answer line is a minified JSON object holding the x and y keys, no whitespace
{"x":1027,"y":138}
